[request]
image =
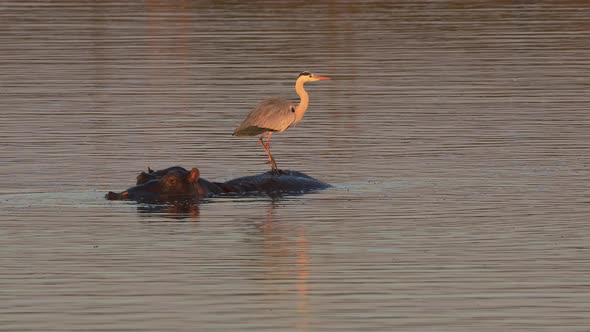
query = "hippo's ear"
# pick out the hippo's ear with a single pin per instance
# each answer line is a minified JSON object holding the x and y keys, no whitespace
{"x":194,"y":175}
{"x":150,"y":170}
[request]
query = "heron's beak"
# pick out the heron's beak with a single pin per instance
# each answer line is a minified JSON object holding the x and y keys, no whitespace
{"x":321,"y":78}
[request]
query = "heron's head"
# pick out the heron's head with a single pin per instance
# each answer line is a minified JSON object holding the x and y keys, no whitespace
{"x":306,"y":76}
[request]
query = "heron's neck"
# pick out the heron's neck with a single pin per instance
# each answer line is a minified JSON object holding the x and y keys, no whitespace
{"x":302,"y":107}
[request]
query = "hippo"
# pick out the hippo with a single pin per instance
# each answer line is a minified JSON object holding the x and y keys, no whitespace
{"x":178,"y":184}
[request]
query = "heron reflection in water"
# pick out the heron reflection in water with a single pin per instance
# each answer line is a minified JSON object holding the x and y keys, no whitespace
{"x":277,"y":114}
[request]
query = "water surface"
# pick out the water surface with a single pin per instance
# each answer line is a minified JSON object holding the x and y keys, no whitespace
{"x":456,"y":135}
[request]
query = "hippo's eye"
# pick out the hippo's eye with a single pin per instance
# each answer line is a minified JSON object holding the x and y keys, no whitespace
{"x":292,"y":109}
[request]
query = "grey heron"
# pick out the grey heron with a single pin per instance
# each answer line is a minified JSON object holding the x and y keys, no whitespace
{"x":277,"y":114}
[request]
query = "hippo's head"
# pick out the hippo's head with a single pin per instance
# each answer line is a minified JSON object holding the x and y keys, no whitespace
{"x":177,"y":183}
{"x":174,"y":185}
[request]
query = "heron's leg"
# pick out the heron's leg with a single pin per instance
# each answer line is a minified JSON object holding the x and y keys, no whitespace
{"x":272,"y":159}
{"x":268,"y":141}
{"x":266,"y":147}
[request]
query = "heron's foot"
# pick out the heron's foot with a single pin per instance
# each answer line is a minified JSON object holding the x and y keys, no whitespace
{"x":277,"y":171}
{"x":274,"y":168}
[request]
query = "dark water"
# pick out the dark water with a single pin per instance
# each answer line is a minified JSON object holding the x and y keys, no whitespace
{"x":456,"y":133}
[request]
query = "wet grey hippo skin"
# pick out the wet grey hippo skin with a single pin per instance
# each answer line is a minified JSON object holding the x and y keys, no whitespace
{"x":176,"y":184}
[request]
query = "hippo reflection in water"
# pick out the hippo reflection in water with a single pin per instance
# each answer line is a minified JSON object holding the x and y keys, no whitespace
{"x":178,"y":184}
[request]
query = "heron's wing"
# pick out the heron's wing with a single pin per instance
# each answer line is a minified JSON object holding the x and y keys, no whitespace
{"x":273,"y":114}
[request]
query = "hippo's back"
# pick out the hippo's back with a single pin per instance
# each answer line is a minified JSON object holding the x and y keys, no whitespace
{"x":287,"y":182}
